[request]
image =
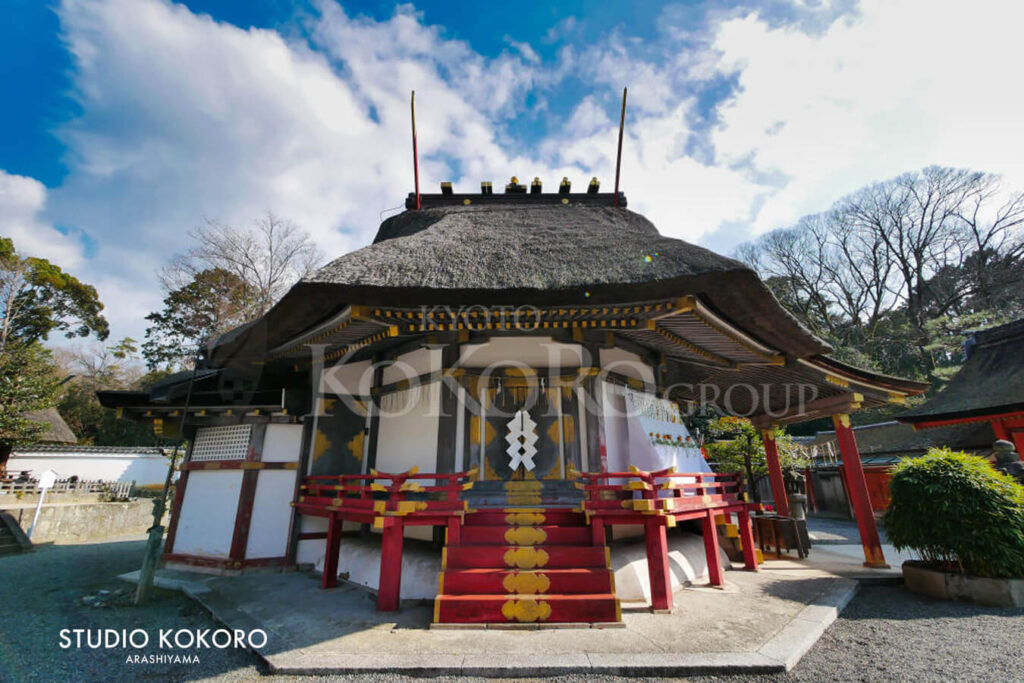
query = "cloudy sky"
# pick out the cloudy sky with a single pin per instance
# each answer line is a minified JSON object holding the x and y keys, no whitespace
{"x":127,"y":122}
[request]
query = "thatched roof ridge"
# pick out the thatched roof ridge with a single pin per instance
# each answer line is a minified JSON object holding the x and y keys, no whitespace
{"x":500,"y":247}
{"x":521,"y":253}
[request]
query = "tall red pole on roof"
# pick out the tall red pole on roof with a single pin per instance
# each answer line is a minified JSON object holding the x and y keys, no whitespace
{"x":618,"y":157}
{"x":415,"y":156}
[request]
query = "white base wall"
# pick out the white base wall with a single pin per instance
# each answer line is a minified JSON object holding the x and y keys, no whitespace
{"x":143,"y":469}
{"x":207,"y":520}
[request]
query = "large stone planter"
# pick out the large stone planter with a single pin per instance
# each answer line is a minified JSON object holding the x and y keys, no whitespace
{"x":949,"y":586}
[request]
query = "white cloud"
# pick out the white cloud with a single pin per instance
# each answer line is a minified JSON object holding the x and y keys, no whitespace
{"x":901,"y":85}
{"x":22,"y":204}
{"x":184,"y":118}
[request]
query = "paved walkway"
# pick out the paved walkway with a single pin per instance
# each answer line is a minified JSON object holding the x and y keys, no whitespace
{"x":761,"y":622}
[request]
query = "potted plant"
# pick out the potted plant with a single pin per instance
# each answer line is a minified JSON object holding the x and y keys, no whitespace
{"x":965,"y":520}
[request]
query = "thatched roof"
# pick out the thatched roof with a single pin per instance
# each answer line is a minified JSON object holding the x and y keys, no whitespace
{"x":889,"y":441}
{"x":57,"y":430}
{"x":991,"y":381}
{"x":521,"y":253}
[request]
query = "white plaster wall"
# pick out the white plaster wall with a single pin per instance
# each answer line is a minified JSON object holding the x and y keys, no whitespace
{"x":408,"y":429}
{"x":412,"y":364}
{"x":144,"y":470}
{"x":687,"y":562}
{"x":282,"y":443}
{"x":208,"y":511}
{"x":534,"y":352}
{"x":271,"y":514}
{"x":626,"y":363}
{"x":360,"y":559}
{"x":354,"y":379}
{"x":616,"y":433}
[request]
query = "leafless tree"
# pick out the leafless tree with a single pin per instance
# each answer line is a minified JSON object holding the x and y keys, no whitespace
{"x":268,"y":258}
{"x":893,"y":245}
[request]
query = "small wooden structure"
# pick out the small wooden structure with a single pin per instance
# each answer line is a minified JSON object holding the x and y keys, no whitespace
{"x":988,"y":388}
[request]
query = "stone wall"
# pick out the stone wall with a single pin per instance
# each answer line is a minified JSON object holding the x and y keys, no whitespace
{"x":68,"y":523}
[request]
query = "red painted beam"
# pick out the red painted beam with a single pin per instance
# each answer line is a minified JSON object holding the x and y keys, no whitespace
{"x":858,"y":490}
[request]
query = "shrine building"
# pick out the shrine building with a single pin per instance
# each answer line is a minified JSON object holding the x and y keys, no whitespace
{"x":506,"y":375}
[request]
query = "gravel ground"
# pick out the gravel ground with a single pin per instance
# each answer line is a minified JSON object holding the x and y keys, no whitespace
{"x":886,"y":633}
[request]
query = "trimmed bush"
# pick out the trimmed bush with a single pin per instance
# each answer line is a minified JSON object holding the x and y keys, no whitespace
{"x":959,"y":513}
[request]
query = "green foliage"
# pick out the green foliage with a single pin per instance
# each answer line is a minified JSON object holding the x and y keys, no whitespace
{"x":37,"y":297}
{"x":957,"y":511}
{"x":740,"y":448}
{"x":27,"y":383}
{"x":206,"y":306}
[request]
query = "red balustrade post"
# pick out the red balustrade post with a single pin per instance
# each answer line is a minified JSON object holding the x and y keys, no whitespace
{"x":597,"y":533}
{"x":747,"y":539}
{"x":334,"y":528}
{"x":390,"y":588}
{"x":858,"y":490}
{"x":454,"y":531}
{"x":771,"y":452}
{"x":657,"y":564}
{"x":711,"y":549}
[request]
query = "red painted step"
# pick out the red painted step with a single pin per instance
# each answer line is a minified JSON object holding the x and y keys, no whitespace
{"x":540,"y":582}
{"x":525,"y":517}
{"x":525,"y":557}
{"x":526,"y":535}
{"x":477,"y":609}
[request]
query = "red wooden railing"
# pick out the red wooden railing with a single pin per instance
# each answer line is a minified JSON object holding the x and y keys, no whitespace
{"x":659,"y":500}
{"x":389,"y":502}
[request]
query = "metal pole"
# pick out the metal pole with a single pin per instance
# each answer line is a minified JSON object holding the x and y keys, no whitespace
{"x":415,"y":156}
{"x":156,"y":532}
{"x":35,"y":517}
{"x":618,"y":156}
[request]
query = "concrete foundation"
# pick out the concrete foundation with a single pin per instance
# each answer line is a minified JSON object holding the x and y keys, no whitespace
{"x":359,"y":563}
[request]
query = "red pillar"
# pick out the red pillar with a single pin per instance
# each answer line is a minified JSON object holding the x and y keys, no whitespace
{"x":454,"y":534}
{"x":390,"y":588}
{"x":771,"y":452}
{"x":711,"y":549}
{"x":330,"y":577}
{"x":657,"y":564}
{"x":858,"y":491}
{"x":597,"y":533}
{"x":1001,"y":431}
{"x":747,"y":538}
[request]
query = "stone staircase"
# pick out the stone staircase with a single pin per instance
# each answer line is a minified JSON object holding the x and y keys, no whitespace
{"x":526,"y":565}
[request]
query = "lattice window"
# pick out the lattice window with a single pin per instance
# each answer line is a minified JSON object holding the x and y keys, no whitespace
{"x":221,"y":443}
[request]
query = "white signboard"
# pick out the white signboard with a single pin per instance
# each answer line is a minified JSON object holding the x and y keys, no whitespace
{"x":47,"y":479}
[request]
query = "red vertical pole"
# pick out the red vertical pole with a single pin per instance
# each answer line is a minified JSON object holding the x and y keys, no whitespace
{"x":1001,"y":431}
{"x":711,"y":549}
{"x":858,"y":490}
{"x":597,"y":536}
{"x":330,"y":577}
{"x":771,"y":452}
{"x":390,"y":588}
{"x":454,"y":531}
{"x":747,"y":538}
{"x":809,"y":485}
{"x":618,"y":156}
{"x":415,"y":155}
{"x":657,"y":564}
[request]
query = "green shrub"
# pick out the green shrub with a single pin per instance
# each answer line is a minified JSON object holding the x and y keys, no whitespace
{"x":959,"y":513}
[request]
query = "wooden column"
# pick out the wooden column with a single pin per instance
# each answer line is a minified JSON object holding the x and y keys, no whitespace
{"x":247,"y":496}
{"x":858,"y":490}
{"x":390,"y":588}
{"x":657,"y":564}
{"x":747,"y":538}
{"x":711,"y":549}
{"x":771,"y":452}
{"x":330,"y":577}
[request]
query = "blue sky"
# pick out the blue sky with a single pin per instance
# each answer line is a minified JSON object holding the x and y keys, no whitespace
{"x":128,"y":122}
